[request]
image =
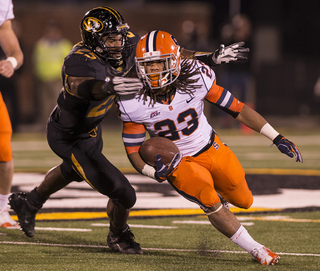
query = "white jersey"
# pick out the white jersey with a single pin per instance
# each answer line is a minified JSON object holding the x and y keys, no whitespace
{"x":6,"y":11}
{"x":182,"y":121}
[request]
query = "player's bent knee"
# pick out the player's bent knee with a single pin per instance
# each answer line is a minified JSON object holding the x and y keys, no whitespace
{"x":241,"y":196}
{"x":5,"y":152}
{"x":244,"y":202}
{"x":126,"y":199}
{"x":208,"y":197}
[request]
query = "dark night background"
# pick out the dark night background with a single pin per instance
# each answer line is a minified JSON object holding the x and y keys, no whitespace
{"x":284,"y":61}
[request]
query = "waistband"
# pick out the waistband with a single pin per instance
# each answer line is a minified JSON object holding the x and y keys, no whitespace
{"x":207,"y":147}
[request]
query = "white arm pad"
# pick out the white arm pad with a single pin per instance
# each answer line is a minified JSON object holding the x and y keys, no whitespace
{"x":13,"y":61}
{"x":148,"y":171}
{"x":268,"y":131}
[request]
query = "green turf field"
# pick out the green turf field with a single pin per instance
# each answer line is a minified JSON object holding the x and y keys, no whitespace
{"x":176,"y":243}
{"x":32,"y":153}
{"x":169,"y":243}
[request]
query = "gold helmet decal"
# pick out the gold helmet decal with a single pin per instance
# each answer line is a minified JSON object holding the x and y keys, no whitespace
{"x":92,"y":24}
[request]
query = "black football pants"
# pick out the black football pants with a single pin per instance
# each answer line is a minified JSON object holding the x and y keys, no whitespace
{"x":83,"y":160}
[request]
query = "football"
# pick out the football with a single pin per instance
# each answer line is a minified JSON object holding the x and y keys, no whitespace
{"x":158,"y":145}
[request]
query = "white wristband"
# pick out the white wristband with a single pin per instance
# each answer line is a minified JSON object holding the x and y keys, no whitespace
{"x":268,"y":131}
{"x":13,"y":61}
{"x":148,"y":171}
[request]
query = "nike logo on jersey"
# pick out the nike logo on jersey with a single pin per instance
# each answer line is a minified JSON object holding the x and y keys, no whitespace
{"x":188,"y":101}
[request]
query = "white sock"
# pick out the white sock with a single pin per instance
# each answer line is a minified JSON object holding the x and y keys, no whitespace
{"x":4,"y":202}
{"x":243,"y":239}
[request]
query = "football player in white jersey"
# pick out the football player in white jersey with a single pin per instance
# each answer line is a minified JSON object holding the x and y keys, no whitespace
{"x":171,"y":105}
{"x":10,"y":45}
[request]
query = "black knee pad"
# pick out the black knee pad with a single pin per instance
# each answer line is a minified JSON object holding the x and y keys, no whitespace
{"x":125,"y":197}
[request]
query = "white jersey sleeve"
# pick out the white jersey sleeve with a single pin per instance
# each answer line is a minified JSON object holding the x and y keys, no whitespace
{"x":182,"y":121}
{"x":6,"y":11}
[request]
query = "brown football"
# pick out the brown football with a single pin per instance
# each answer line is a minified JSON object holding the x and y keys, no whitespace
{"x":158,"y":145}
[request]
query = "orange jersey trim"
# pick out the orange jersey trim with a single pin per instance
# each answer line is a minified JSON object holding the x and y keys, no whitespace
{"x":223,"y":98}
{"x":133,"y":135}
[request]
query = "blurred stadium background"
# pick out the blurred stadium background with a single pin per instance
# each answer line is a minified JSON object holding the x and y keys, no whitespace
{"x":282,"y":72}
{"x":284,"y":41}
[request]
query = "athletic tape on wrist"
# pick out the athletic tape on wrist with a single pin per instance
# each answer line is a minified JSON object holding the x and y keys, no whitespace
{"x":268,"y":131}
{"x":148,"y":171}
{"x":13,"y":61}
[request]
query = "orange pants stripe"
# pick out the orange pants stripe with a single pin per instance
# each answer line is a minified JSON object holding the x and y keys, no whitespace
{"x":216,"y":170}
{"x":5,"y":133}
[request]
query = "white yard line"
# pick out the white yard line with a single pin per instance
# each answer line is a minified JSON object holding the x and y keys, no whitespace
{"x":54,"y":229}
{"x":153,"y":249}
{"x":137,"y":226}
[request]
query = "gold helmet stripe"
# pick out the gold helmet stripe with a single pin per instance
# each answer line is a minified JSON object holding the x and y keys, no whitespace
{"x":111,"y":10}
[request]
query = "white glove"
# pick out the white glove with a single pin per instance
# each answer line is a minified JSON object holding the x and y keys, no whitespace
{"x":125,"y":85}
{"x":232,"y":52}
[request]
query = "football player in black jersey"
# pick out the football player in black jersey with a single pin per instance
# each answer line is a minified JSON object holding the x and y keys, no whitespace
{"x":98,"y":68}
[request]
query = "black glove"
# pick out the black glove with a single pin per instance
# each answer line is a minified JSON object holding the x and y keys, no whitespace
{"x":162,"y":171}
{"x":232,"y":52}
{"x":124,"y":85}
{"x":287,"y":147}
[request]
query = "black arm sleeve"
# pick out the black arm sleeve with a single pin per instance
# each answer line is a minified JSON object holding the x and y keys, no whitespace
{"x":95,"y":90}
{"x":206,"y":59}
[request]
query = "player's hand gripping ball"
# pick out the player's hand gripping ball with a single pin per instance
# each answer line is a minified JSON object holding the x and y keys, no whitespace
{"x":162,"y":154}
{"x":158,"y":145}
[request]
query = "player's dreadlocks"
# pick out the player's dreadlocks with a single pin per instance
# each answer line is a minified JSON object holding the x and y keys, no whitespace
{"x":184,"y":83}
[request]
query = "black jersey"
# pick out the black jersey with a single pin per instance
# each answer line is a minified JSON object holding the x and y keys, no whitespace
{"x":75,"y":115}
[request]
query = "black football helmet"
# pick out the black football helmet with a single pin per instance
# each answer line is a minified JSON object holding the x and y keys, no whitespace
{"x":104,"y":21}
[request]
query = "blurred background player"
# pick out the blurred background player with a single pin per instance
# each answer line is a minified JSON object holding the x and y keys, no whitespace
{"x":48,"y":55}
{"x":10,"y":45}
{"x":171,"y":105}
{"x":237,"y":78}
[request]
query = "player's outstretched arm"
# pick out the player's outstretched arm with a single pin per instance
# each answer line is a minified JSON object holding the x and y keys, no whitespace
{"x":231,"y":53}
{"x":255,"y":121}
{"x":98,"y":90}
